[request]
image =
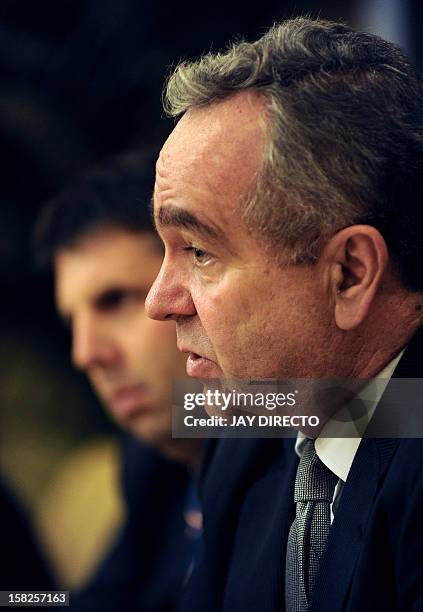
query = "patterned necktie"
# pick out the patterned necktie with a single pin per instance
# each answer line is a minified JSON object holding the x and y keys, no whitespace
{"x":314,"y":487}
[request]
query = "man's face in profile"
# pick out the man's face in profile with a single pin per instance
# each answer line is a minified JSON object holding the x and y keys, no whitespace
{"x":101,"y":285}
{"x":239,"y":313}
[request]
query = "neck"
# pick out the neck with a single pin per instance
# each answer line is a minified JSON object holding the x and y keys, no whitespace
{"x":379,"y":348}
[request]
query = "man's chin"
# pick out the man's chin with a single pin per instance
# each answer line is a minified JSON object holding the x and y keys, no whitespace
{"x":148,"y":431}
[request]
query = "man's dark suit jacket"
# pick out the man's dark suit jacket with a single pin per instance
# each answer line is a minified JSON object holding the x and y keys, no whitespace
{"x":23,"y":566}
{"x":373,"y":559}
{"x":145,"y":570}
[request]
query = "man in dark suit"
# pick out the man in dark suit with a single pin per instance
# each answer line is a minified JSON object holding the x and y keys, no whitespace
{"x":97,"y":235}
{"x":288,"y":198}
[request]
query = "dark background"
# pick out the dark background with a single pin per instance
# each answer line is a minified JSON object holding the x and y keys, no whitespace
{"x":81,"y":80}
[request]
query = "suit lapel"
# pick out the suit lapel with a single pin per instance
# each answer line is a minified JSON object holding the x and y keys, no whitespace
{"x":230,"y":479}
{"x":346,"y":534}
{"x":366,"y":475}
{"x":257,"y":573}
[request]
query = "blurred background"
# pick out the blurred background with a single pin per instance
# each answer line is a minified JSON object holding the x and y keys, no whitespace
{"x":80,"y":81}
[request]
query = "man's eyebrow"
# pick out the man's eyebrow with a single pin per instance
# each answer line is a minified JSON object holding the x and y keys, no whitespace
{"x":173,"y":216}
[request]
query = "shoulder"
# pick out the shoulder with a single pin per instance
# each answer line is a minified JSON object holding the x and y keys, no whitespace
{"x":405,"y":472}
{"x":147,"y":474}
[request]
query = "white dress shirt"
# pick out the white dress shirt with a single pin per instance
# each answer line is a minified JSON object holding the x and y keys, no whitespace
{"x":337,"y":452}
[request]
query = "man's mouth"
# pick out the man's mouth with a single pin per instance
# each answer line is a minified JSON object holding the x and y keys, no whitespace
{"x":200,"y":366}
{"x":127,"y":402}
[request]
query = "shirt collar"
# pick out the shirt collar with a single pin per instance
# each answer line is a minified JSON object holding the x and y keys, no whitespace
{"x":339,"y":439}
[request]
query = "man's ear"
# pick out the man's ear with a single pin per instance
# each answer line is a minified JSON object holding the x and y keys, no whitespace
{"x":357,"y":259}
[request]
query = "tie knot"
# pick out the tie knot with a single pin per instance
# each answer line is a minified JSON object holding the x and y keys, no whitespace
{"x":314,"y":481}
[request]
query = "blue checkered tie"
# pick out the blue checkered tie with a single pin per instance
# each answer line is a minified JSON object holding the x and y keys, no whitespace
{"x":314,"y":487}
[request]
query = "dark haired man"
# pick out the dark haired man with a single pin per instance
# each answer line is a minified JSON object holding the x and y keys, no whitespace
{"x":97,"y":235}
{"x":288,"y":198}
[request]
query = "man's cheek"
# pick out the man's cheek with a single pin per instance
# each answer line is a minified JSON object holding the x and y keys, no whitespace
{"x":162,"y":328}
{"x":98,"y":386}
{"x":156,"y":336}
{"x":228,"y":344}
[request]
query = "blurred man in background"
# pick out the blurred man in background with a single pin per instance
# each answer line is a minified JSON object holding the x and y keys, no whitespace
{"x":98,"y":237}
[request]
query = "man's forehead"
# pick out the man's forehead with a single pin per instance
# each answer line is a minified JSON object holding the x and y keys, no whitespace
{"x":192,"y":144}
{"x":214,"y":153}
{"x":105,"y":258}
{"x":218,"y":130}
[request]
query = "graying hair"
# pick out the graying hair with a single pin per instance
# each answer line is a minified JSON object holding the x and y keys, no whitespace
{"x":346,"y":135}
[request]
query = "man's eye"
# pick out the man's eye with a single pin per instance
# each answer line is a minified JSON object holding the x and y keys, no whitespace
{"x":113,"y":299}
{"x":200,"y":256}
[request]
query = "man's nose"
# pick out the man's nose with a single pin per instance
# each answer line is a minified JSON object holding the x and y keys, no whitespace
{"x":169,"y":298}
{"x":90,"y":345}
